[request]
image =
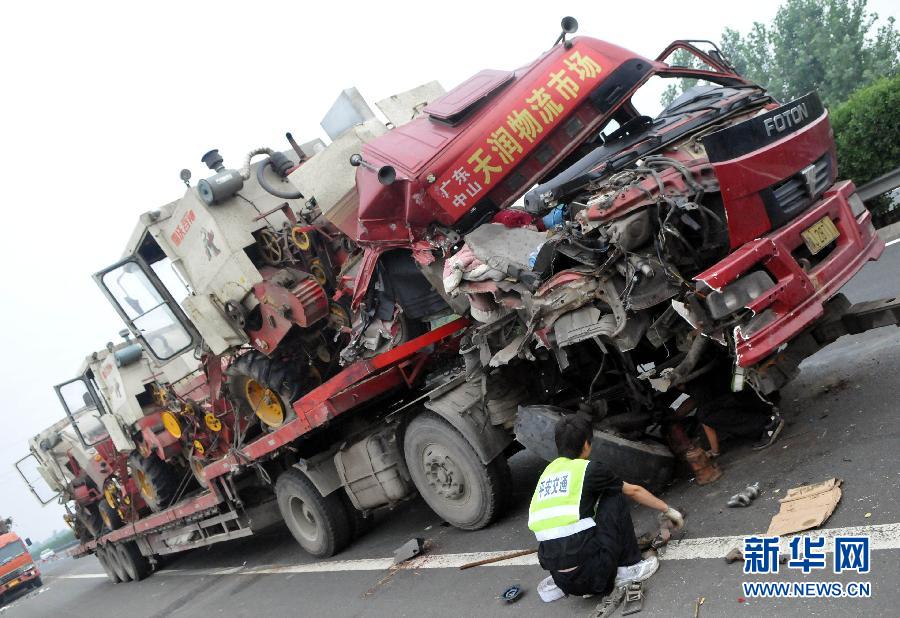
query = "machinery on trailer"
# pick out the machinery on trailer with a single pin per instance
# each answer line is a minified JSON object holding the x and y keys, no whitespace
{"x":322,"y":288}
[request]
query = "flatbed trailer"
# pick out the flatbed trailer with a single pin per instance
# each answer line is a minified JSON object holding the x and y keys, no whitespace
{"x":218,"y":513}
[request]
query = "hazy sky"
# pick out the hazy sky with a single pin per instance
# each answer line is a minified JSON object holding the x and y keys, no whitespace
{"x":103,"y":103}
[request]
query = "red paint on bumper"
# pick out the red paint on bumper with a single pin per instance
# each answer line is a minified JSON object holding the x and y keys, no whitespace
{"x":798,"y":296}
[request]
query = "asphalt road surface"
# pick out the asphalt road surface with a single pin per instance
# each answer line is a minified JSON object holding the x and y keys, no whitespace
{"x":842,"y":422}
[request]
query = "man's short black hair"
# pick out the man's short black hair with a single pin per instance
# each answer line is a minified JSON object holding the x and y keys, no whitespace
{"x":570,"y":433}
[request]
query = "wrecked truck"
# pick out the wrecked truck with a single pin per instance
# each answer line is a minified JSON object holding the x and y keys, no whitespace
{"x":608,"y":257}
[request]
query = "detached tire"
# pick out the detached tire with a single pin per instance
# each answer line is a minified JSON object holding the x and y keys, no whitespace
{"x":110,"y":516}
{"x":264,"y":388}
{"x":319,"y":523}
{"x":135,"y":565}
{"x":107,"y":567}
{"x":156,"y":480}
{"x":450,"y":476}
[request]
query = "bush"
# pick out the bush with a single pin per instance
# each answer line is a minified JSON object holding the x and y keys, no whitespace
{"x":867,"y":136}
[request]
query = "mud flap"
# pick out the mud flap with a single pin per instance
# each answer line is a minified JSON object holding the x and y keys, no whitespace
{"x":644,"y":463}
{"x":462,"y":407}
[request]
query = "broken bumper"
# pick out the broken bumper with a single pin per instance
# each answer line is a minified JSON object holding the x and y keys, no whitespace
{"x":801,"y":288}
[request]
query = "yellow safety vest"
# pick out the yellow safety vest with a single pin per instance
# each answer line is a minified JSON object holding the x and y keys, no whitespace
{"x":554,"y":510}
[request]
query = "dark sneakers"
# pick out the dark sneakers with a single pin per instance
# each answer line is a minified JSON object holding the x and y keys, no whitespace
{"x":771,"y":432}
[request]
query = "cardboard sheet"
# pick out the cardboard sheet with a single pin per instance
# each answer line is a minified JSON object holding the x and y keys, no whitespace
{"x":806,"y":507}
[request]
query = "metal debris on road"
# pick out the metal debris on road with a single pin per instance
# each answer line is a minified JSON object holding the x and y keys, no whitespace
{"x":745,"y":497}
{"x":511,"y":594}
{"x":500,"y":558}
{"x":410,"y":549}
{"x":608,"y":604}
{"x":634,"y":598}
{"x":700,"y":601}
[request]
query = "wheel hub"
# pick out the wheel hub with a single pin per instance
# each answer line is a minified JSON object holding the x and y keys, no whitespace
{"x":264,"y":403}
{"x":442,"y":473}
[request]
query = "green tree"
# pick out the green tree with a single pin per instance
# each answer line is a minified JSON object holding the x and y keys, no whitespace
{"x":867,"y":138}
{"x":831,"y":46}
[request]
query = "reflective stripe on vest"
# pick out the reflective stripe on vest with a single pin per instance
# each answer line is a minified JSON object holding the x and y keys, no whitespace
{"x":554,"y":511}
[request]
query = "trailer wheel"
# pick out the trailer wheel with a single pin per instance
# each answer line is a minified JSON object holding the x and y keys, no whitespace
{"x":450,"y":476}
{"x":107,"y":567}
{"x":110,"y":516}
{"x":135,"y":565}
{"x":115,"y":561}
{"x":156,"y":480}
{"x":264,"y":388}
{"x":319,"y":523}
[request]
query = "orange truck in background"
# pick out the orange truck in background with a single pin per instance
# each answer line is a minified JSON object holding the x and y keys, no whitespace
{"x":18,"y":572}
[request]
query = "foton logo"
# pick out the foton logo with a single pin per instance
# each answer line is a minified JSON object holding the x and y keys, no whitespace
{"x":786,"y":119}
{"x":183,"y":227}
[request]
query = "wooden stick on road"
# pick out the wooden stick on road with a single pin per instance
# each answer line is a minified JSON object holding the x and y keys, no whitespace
{"x":514,"y":554}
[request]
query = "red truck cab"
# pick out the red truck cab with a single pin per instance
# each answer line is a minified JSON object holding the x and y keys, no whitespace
{"x":18,"y":572}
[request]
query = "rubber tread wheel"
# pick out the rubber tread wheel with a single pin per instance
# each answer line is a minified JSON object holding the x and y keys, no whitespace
{"x":281,"y":378}
{"x":156,"y":480}
{"x":107,"y":567}
{"x":115,"y":561}
{"x":110,"y":516}
{"x":133,"y":562}
{"x":90,"y":518}
{"x":449,"y":475}
{"x":319,"y":523}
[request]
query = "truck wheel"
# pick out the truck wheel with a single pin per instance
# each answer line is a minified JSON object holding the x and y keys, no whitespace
{"x":133,"y":562}
{"x":107,"y":567}
{"x":319,"y":523}
{"x":110,"y":516}
{"x":90,"y":518}
{"x":156,"y":480}
{"x":264,"y":388}
{"x":449,"y":475}
{"x":112,"y":556}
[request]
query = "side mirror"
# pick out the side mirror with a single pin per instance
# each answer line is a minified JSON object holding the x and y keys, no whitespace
{"x":28,"y":541}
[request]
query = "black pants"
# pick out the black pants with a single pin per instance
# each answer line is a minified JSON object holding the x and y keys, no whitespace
{"x":615,"y":546}
{"x":740,"y":415}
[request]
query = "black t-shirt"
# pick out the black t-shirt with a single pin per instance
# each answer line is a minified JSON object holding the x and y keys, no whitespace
{"x":572,"y":551}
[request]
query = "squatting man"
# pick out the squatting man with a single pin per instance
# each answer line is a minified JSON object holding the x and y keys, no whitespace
{"x":582,"y":520}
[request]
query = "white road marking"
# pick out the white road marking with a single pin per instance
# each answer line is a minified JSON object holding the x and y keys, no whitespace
{"x":888,"y":244}
{"x":883,"y":536}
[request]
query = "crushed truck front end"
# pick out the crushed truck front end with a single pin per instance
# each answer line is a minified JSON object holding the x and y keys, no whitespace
{"x":797,"y":235}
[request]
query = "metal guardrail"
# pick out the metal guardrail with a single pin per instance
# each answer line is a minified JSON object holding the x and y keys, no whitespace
{"x":882,"y":184}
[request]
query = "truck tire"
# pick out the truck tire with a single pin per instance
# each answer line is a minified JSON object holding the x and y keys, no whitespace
{"x":450,"y":476}
{"x":90,"y":518}
{"x":135,"y":565}
{"x":264,"y":388}
{"x":110,"y":516}
{"x":112,"y":556}
{"x":107,"y":567}
{"x":319,"y":523}
{"x":156,"y":480}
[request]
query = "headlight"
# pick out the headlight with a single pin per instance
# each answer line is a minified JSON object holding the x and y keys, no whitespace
{"x":856,"y":205}
{"x":738,"y":294}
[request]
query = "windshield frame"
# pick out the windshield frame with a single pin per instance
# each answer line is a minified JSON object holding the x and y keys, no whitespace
{"x":98,"y":404}
{"x":167,"y":301}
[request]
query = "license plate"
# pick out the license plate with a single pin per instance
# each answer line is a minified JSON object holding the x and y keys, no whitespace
{"x":14,"y":582}
{"x":820,"y":234}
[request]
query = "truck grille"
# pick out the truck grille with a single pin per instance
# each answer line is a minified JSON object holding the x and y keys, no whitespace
{"x":12,"y":575}
{"x":788,"y":198}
